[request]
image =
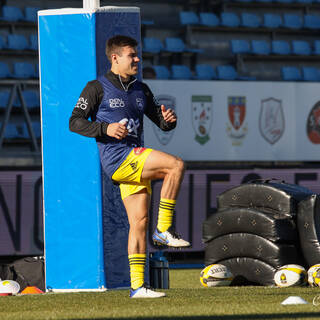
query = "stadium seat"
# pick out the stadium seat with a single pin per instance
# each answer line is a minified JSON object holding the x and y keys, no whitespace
{"x":180,"y":72}
{"x":285,"y":1}
{"x":11,"y":131}
{"x":188,"y":18}
{"x":304,"y":1}
{"x":2,"y":42}
{"x":250,"y":20}
{"x":280,"y":47}
{"x":311,"y":21}
{"x":173,"y":44}
{"x":4,"y":98}
{"x":23,"y":70}
{"x":229,"y":19}
{"x":30,"y":14}
{"x":10,"y":13}
{"x":36,"y":126}
{"x":264,"y":1}
{"x":300,"y":47}
{"x":240,"y":46}
{"x":152,"y":45}
{"x":291,"y":74}
{"x":17,"y":42}
{"x":310,"y":74}
{"x":226,"y":72}
{"x":271,"y":20}
{"x":204,"y":72}
{"x":260,"y":47}
{"x":162,"y":72}
{"x":316,"y":47}
{"x":209,"y":19}
{"x":4,"y":70}
{"x":33,"y":42}
{"x":31,"y":98}
{"x":292,"y":21}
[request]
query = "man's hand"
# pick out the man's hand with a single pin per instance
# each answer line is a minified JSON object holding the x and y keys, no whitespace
{"x":168,"y":114}
{"x":117,"y":130}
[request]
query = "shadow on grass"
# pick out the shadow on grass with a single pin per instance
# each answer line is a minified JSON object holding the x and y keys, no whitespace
{"x":296,"y":315}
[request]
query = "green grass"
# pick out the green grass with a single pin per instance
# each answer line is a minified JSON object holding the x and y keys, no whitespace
{"x":186,"y":299}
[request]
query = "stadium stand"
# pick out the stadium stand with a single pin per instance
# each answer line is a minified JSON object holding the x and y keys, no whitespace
{"x":205,"y":72}
{"x":291,"y":73}
{"x":162,"y":72}
{"x":209,"y":19}
{"x":181,"y":72}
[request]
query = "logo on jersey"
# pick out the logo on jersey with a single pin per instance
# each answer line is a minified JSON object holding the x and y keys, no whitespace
{"x":139,"y":102}
{"x":237,"y":112}
{"x":313,"y":124}
{"x":132,"y":126}
{"x":271,"y":120}
{"x":169,"y":102}
{"x":82,"y":103}
{"x":116,"y":103}
{"x":134,"y":165}
{"x":202,"y":117}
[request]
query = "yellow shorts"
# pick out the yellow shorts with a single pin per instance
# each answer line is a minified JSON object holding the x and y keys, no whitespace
{"x":128,"y":175}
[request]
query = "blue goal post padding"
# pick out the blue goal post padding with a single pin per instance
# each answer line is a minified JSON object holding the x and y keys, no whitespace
{"x":85,"y":240}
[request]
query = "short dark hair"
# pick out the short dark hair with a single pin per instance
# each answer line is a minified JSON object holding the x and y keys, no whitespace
{"x":116,"y":43}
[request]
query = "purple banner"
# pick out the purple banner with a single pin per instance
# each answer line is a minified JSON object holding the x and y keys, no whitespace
{"x":200,"y":188}
{"x":21,"y":227}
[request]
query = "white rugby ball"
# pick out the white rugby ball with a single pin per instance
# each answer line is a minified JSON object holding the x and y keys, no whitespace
{"x":290,"y":275}
{"x":216,"y":275}
{"x":311,"y":276}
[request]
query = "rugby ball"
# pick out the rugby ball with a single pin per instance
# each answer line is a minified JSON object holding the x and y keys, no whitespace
{"x":216,"y":275}
{"x":290,"y":275}
{"x":311,"y":275}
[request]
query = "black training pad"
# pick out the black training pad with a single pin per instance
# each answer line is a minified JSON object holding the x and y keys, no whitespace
{"x":282,"y":198}
{"x":252,"y":246}
{"x":250,"y":271}
{"x":308,"y":224}
{"x":248,"y":220}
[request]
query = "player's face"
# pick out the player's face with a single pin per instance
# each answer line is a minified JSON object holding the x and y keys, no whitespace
{"x":128,"y":62}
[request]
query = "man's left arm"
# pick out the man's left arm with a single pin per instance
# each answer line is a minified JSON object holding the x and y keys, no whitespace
{"x":165,"y":119}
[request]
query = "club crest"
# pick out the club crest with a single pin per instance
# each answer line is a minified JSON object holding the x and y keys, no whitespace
{"x":164,"y":137}
{"x":271,"y":120}
{"x":237,"y":112}
{"x":202,"y":117}
{"x":313,"y":124}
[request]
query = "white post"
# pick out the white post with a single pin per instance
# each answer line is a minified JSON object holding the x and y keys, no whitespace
{"x":91,"y":4}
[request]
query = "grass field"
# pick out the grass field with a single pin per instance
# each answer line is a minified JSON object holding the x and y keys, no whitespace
{"x":186,"y":299}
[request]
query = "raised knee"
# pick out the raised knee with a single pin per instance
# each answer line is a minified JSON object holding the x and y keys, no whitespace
{"x":179,"y":165}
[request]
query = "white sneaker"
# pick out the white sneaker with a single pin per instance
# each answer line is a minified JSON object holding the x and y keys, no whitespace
{"x":169,"y":238}
{"x":144,"y":292}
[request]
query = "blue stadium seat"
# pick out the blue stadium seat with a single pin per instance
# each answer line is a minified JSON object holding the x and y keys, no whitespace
{"x":311,"y":21}
{"x":173,"y":44}
{"x":291,"y":74}
{"x":310,"y":74}
{"x":229,"y":19}
{"x":4,"y":98}
{"x":3,"y":44}
{"x":260,"y":47}
{"x":264,"y":1}
{"x":162,"y":72}
{"x":152,"y":45}
{"x":226,"y":72}
{"x":280,"y":47}
{"x":285,"y":1}
{"x":147,"y":22}
{"x":180,"y":72}
{"x":4,"y":70}
{"x":316,"y":47}
{"x":36,"y":126}
{"x":23,"y":70}
{"x":30,"y":14}
{"x":250,"y":20}
{"x":205,"y":72}
{"x":209,"y":19}
{"x":188,"y":17}
{"x":300,"y":47}
{"x":240,"y":46}
{"x":31,"y":98}
{"x":11,"y":131}
{"x":292,"y":21}
{"x":10,"y":13}
{"x":17,"y":42}
{"x":304,"y":1}
{"x":271,"y":20}
{"x":33,"y":42}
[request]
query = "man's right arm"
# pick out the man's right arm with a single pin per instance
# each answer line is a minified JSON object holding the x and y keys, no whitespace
{"x":87,"y":106}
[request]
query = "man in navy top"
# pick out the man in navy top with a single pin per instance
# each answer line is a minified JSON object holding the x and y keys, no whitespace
{"x":116,"y":103}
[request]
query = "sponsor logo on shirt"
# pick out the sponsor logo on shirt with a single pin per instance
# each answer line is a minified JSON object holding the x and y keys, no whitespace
{"x":116,"y":103}
{"x":82,"y":103}
{"x":138,"y":151}
{"x":139,"y":102}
